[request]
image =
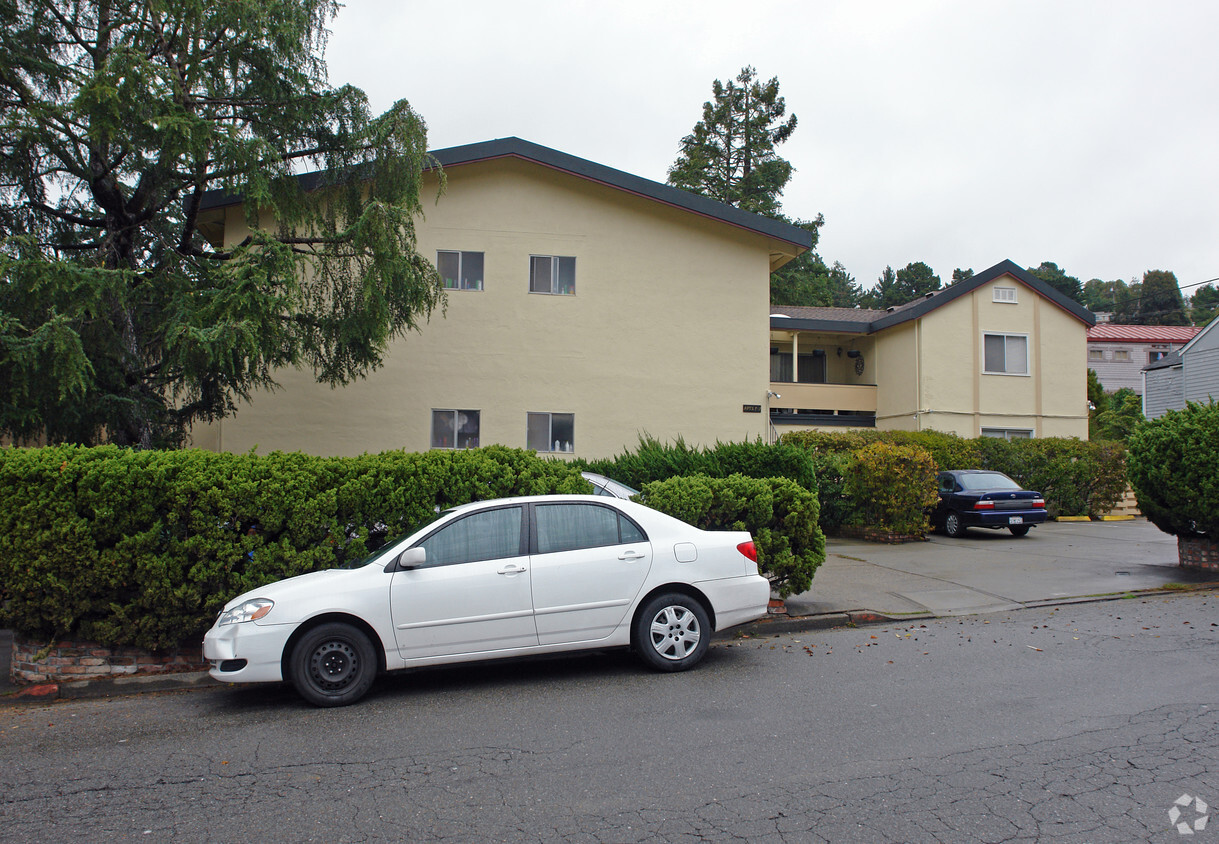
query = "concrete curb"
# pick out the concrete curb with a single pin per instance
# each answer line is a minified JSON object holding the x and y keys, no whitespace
{"x":109,"y":687}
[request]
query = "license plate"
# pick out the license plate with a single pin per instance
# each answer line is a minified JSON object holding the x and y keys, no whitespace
{"x":1015,"y":520}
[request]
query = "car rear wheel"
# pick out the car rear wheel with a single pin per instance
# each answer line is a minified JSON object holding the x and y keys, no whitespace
{"x":953,"y":526}
{"x":333,"y":665}
{"x":1019,"y":530}
{"x":672,"y":632}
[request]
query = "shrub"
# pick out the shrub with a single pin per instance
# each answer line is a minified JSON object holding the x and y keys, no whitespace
{"x":1077,"y":478}
{"x":893,"y":486}
{"x":1174,"y":469}
{"x":657,"y":461}
{"x":781,"y":515}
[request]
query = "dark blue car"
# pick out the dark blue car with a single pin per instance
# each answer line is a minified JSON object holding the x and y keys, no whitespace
{"x":982,"y":498}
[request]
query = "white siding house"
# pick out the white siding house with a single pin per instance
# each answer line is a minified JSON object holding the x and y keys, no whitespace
{"x":1191,"y":374}
{"x":1118,"y":353}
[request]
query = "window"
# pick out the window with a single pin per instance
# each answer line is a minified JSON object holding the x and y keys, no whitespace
{"x":550,"y":431}
{"x":1006,"y":354}
{"x":1122,"y":355}
{"x":1096,"y":354}
{"x":1152,"y":357}
{"x":567,"y":527}
{"x":455,"y":429}
{"x":460,"y":270}
{"x":488,"y":535}
{"x":548,"y":274}
{"x":812,"y":367}
{"x":1008,"y":433}
{"x":1005,"y":294}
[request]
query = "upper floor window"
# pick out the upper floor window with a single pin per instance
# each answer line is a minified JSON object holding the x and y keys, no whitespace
{"x":1006,"y":354}
{"x":1152,"y":357}
{"x":460,"y":270}
{"x":1004,"y":294}
{"x":550,"y":431}
{"x":1122,"y":355}
{"x":1096,"y":354}
{"x":552,"y":274}
{"x":455,"y":428}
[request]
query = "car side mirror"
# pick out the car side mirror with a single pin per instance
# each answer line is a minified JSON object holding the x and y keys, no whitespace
{"x":411,"y":558}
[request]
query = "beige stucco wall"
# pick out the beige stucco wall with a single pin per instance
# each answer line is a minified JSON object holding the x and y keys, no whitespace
{"x":897,"y":371}
{"x":955,"y":395}
{"x":666,"y":333}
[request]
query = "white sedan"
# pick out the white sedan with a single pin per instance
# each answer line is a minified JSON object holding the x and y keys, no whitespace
{"x":509,"y":577}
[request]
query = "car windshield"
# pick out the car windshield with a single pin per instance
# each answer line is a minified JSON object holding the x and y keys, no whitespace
{"x":987,"y":480}
{"x":381,"y":550}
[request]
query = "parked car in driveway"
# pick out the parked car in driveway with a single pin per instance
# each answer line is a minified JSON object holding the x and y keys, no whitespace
{"x":983,"y":498}
{"x":501,"y":578}
{"x":608,"y":486}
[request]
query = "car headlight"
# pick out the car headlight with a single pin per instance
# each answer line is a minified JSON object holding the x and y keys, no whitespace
{"x":251,"y":610}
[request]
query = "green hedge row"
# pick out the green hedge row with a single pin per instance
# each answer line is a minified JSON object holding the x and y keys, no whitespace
{"x":1077,"y":477}
{"x":781,"y":515}
{"x":657,"y":461}
{"x":142,"y":548}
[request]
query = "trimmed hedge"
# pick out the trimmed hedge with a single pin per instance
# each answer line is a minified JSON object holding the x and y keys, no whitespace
{"x":143,"y":548}
{"x":893,"y":487}
{"x":657,"y":461}
{"x":1174,"y":469}
{"x":781,"y":515}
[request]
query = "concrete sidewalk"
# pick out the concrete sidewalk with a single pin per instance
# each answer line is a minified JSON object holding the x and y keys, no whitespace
{"x":861,"y":582}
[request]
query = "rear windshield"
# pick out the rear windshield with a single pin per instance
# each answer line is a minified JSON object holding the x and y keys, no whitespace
{"x":987,"y":480}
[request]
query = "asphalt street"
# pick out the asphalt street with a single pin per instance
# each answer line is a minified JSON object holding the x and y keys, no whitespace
{"x":1079,"y":723}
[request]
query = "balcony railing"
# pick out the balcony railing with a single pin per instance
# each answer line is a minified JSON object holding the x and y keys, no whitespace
{"x":824,"y":404}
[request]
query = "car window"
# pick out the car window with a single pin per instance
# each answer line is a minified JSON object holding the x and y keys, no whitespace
{"x":565,"y":527}
{"x":988,"y":480}
{"x":946,"y":484}
{"x":487,"y":535}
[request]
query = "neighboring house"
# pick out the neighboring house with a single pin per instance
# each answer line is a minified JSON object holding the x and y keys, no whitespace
{"x":1118,"y":353}
{"x":586,"y":306}
{"x":1189,"y":374}
{"x":995,"y":355}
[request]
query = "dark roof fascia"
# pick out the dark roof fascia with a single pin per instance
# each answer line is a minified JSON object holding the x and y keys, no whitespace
{"x":590,"y":170}
{"x":827,"y":326}
{"x":959,"y":289}
{"x":584,"y":169}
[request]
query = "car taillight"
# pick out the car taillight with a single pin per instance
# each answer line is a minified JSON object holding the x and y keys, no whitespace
{"x":984,"y":505}
{"x":1038,"y":503}
{"x":749,"y":550}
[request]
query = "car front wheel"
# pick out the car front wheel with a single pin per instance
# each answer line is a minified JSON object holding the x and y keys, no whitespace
{"x":953,"y":526}
{"x":333,"y":665}
{"x":672,"y":632}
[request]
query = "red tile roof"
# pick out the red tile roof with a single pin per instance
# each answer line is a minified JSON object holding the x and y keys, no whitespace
{"x":1107,"y":332}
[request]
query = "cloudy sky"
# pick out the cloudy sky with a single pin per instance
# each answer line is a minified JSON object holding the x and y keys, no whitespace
{"x":954,"y":132}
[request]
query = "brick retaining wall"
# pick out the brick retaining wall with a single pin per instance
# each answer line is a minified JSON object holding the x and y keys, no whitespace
{"x":62,"y":662}
{"x":1198,"y":552}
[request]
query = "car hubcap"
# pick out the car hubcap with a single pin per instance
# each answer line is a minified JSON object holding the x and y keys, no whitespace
{"x":675,"y":632}
{"x":333,"y":665}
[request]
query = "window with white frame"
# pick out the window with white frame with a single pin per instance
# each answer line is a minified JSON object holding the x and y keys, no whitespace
{"x":552,"y":274}
{"x":1005,"y":294}
{"x":455,"y":428}
{"x":1096,"y":354}
{"x":460,"y":270}
{"x":1008,"y":433}
{"x":553,"y":432}
{"x":1005,"y":354}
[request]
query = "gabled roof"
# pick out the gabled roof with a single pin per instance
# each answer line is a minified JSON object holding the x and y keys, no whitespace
{"x":1108,"y":332}
{"x":584,"y":169}
{"x":840,"y":320}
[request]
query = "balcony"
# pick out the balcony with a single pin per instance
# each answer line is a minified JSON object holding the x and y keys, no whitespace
{"x":845,"y":405}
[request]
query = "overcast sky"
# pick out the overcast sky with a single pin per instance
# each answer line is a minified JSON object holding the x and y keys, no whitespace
{"x":957,"y":132}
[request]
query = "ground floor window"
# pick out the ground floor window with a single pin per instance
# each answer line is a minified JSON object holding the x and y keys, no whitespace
{"x":551,"y":431}
{"x":455,"y":428}
{"x":1008,"y":433}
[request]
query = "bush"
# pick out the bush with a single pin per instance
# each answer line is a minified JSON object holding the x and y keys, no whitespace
{"x":1077,"y":478}
{"x":657,"y":461}
{"x":893,"y":486}
{"x":1174,"y":469}
{"x":143,"y":548}
{"x":781,"y":515}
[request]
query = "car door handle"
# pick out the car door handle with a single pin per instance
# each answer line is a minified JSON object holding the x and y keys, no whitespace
{"x":630,"y":556}
{"x":512,"y":570}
